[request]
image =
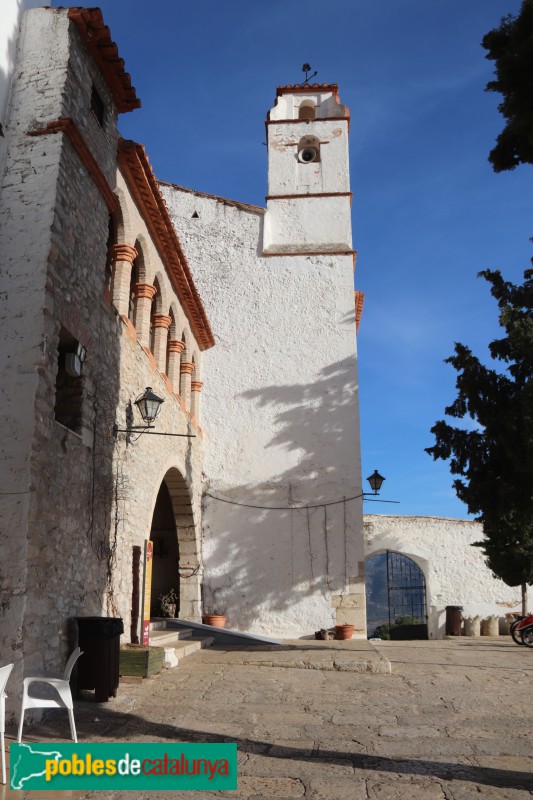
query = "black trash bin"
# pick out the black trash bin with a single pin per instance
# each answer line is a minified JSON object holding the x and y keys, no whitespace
{"x":453,"y":620}
{"x":98,"y":667}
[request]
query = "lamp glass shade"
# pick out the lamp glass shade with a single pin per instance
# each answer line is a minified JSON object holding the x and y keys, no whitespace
{"x":375,"y":480}
{"x":149,"y":404}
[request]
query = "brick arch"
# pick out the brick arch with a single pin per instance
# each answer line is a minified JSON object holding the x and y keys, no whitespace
{"x":178,"y":322}
{"x":195,"y":358}
{"x":122,"y":219}
{"x":186,"y":337}
{"x":141,"y":261}
{"x":162,"y":300}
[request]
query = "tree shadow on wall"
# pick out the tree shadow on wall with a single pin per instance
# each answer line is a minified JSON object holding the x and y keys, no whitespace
{"x":304,"y":527}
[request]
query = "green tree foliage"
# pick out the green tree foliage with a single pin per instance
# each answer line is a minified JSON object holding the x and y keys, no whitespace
{"x":511,"y":47}
{"x":494,"y":462}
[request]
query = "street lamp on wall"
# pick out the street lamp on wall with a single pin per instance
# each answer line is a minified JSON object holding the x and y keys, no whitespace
{"x":149,"y":406}
{"x":375,"y":480}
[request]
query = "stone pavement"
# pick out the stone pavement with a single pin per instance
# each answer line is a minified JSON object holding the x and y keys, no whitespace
{"x":452,"y":722}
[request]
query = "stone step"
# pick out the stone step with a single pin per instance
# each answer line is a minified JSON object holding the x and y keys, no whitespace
{"x":160,"y":623}
{"x":179,"y":649}
{"x":159,"y":638}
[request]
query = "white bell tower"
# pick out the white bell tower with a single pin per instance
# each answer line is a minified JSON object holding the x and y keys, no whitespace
{"x":309,"y":198}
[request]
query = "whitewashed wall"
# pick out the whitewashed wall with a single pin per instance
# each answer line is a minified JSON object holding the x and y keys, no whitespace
{"x":10,"y":14}
{"x":455,"y":572}
{"x":280,"y":416}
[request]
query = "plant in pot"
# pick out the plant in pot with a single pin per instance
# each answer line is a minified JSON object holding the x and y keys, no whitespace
{"x":344,"y":631}
{"x":215,"y":618}
{"x":213,"y":613}
{"x":168,"y":603}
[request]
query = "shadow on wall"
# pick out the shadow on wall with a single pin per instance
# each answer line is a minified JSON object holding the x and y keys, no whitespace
{"x":268,"y":559}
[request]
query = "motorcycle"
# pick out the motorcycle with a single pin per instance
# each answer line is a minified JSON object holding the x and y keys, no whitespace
{"x":522,"y":630}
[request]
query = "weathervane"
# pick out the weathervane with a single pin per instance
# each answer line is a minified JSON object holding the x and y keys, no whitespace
{"x":307,"y":68}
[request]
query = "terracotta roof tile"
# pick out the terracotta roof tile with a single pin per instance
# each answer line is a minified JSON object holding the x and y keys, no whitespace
{"x":224,"y":200}
{"x":307,"y":87}
{"x":359,"y":303}
{"x":97,"y":37}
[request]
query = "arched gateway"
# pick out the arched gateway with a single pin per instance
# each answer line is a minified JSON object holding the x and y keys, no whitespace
{"x":395,"y":597}
{"x":176,"y":562}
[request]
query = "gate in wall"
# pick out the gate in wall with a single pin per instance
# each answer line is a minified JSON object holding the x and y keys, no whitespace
{"x":395,"y":596}
{"x":406,"y":588}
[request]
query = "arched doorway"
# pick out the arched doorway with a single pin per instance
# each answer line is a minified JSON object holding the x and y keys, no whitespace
{"x":177,"y":557}
{"x":165,"y":564}
{"x":395,"y":597}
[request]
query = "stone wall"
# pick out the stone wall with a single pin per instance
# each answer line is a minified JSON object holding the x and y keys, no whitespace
{"x":75,"y":500}
{"x":454,"y":571}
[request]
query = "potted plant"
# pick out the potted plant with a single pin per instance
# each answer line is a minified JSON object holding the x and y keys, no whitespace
{"x":344,"y":631}
{"x":214,"y":614}
{"x":168,"y":603}
{"x":217,"y":619}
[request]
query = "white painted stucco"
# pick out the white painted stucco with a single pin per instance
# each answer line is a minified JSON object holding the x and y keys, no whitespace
{"x":10,"y":15}
{"x":454,"y":570}
{"x":281,"y":420}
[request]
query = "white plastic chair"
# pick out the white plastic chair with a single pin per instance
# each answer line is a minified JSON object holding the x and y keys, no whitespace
{"x":60,"y":683}
{"x":5,"y":672}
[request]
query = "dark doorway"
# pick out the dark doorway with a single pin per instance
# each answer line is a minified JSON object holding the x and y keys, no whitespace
{"x":165,"y":566}
{"x":395,"y":597}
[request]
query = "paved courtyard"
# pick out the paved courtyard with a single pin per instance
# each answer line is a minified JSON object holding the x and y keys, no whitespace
{"x":452,"y":721}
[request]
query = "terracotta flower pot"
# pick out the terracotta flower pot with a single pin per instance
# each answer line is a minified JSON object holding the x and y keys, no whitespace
{"x":216,"y":620}
{"x":344,"y":631}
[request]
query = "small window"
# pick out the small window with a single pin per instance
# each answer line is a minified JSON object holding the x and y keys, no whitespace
{"x":69,"y":381}
{"x":306,"y":111}
{"x":97,"y":106}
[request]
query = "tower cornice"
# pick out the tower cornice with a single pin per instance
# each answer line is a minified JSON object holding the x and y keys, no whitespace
{"x":307,"y":88}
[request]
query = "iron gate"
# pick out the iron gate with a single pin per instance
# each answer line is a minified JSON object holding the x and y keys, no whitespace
{"x":406,"y":590}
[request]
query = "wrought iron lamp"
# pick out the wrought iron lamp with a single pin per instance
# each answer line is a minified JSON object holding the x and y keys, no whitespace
{"x":375,"y":480}
{"x":149,"y":406}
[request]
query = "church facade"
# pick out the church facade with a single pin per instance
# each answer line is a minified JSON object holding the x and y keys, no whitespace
{"x":113,"y":282}
{"x":282,"y":507}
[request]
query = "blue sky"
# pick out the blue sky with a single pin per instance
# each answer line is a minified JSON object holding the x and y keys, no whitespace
{"x":428,"y":211}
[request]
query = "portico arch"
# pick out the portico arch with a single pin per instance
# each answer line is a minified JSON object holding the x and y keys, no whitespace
{"x":177,"y":556}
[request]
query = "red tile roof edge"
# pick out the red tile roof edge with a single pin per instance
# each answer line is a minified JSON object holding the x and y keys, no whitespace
{"x":97,"y":37}
{"x":143,"y":185}
{"x":359,"y":303}
{"x":307,"y":87}
{"x":225,"y":200}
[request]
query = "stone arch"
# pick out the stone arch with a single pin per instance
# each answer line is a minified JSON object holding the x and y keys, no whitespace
{"x":396,"y":588}
{"x":178,"y":541}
